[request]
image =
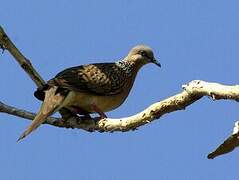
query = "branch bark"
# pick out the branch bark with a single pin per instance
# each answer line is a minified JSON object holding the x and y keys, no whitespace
{"x":228,"y":145}
{"x":6,"y":43}
{"x":192,"y":92}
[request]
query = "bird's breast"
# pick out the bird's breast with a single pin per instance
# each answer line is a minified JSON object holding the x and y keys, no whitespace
{"x":85,"y":100}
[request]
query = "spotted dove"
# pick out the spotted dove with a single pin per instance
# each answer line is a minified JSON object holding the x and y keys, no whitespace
{"x":92,"y":88}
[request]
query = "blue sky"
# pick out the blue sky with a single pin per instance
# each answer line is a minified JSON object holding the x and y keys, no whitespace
{"x":194,"y":40}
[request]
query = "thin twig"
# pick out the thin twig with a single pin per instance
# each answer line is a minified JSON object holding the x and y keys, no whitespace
{"x":6,"y":43}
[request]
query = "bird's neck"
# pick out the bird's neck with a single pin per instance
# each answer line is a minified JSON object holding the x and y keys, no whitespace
{"x":130,"y":67}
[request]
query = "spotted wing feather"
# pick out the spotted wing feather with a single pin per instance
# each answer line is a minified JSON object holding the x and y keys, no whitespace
{"x":101,"y":79}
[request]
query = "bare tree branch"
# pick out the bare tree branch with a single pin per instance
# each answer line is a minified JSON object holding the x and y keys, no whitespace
{"x":228,"y":145}
{"x":192,"y":92}
{"x":153,"y":112}
{"x":6,"y":43}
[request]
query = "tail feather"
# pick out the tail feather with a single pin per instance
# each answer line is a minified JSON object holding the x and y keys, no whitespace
{"x":50,"y":105}
{"x":38,"y":120}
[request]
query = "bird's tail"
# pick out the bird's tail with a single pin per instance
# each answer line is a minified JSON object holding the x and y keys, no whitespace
{"x":49,"y":106}
{"x":38,"y":120}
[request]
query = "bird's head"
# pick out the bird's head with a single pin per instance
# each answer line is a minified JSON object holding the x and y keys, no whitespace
{"x":142,"y":54}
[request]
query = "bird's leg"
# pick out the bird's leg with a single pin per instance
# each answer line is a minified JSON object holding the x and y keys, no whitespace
{"x":99,"y":111}
{"x":86,"y":115}
{"x":77,"y":110}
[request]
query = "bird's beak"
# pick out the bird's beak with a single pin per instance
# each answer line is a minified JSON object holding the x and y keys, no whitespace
{"x":155,"y":61}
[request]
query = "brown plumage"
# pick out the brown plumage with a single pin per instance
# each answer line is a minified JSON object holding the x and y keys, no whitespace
{"x":85,"y":89}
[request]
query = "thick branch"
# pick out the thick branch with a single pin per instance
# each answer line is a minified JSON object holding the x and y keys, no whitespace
{"x":215,"y":90}
{"x":191,"y":93}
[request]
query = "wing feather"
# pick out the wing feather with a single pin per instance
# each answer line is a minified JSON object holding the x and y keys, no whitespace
{"x":100,"y":79}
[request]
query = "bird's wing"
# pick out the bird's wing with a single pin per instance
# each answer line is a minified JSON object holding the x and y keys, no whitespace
{"x":101,"y":79}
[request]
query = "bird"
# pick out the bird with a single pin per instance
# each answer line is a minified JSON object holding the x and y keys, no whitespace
{"x":92,"y":88}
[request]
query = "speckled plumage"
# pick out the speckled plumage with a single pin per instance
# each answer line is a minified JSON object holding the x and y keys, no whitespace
{"x":98,"y":87}
{"x":102,"y":79}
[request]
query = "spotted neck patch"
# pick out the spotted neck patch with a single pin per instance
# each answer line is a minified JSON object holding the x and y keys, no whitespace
{"x":125,"y":66}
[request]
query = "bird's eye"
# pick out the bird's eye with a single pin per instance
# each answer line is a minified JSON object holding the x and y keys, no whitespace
{"x":143,"y":53}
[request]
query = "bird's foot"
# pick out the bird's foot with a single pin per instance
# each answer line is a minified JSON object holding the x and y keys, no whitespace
{"x":79,"y":111}
{"x":99,"y":111}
